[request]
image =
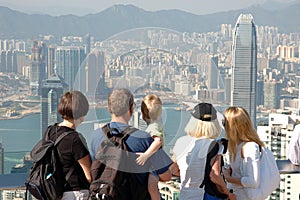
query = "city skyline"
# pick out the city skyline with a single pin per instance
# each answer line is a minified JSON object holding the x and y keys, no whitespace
{"x":80,"y":7}
{"x":174,"y":65}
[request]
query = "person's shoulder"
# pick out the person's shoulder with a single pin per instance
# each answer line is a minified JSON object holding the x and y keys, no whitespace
{"x":97,"y":132}
{"x":252,"y":150}
{"x":182,"y":143}
{"x":140,"y":134}
{"x":251,"y":145}
{"x":64,"y":129}
{"x":155,"y":126}
{"x":185,"y":139}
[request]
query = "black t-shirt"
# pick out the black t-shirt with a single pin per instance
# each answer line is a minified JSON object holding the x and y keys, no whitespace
{"x":72,"y":148}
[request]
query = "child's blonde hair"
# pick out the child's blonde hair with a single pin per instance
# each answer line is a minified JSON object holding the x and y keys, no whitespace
{"x":151,"y":108}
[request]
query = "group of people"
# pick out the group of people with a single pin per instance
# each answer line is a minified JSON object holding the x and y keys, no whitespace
{"x":197,"y":158}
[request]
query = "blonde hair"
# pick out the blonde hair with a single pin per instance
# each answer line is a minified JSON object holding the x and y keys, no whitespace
{"x":198,"y":128}
{"x":239,"y":128}
{"x":151,"y":108}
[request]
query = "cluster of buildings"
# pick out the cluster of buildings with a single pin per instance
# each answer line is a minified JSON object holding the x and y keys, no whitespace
{"x":244,"y":65}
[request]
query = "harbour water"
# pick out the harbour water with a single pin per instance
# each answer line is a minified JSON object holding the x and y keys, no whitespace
{"x":18,"y":136}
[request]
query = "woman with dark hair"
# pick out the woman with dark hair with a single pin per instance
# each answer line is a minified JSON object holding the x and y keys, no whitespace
{"x":73,"y":151}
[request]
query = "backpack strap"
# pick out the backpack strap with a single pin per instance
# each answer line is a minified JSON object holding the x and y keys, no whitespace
{"x":68,"y":175}
{"x":117,"y":139}
{"x":242,"y":150}
{"x":61,"y":137}
{"x":207,"y":165}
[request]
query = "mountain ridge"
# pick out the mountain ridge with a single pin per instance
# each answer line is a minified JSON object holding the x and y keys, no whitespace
{"x":119,"y":18}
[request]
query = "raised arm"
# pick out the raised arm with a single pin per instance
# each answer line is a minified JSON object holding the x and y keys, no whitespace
{"x":143,"y":157}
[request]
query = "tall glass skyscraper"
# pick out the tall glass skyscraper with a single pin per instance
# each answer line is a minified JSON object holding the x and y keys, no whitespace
{"x":244,"y":65}
{"x":68,"y":62}
{"x":37,"y":66}
{"x":52,"y":90}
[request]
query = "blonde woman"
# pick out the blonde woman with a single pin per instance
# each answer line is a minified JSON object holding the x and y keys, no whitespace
{"x":244,"y":151}
{"x":198,"y":157}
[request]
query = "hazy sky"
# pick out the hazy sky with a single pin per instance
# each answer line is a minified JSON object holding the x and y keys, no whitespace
{"x":82,"y":7}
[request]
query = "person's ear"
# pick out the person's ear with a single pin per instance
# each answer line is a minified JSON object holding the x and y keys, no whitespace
{"x":131,"y":110}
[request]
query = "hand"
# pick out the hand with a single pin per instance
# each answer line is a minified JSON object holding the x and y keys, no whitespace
{"x":227,"y":172}
{"x":142,"y":158}
{"x":231,"y":196}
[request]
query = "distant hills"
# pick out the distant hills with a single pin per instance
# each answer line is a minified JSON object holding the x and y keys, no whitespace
{"x":118,"y":18}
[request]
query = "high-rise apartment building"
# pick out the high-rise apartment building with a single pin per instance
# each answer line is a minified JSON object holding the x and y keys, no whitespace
{"x":276,"y":136}
{"x":137,"y":120}
{"x":50,"y":61}
{"x":37,"y":66}
{"x":52,"y":90}
{"x":94,"y":79}
{"x":11,"y":61}
{"x":244,"y":65}
{"x":68,"y":62}
{"x":272,"y":90}
{"x":212,"y":73}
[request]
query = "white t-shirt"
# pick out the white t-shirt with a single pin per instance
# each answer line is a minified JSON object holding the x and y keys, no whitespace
{"x":191,"y":158}
{"x":246,"y":169}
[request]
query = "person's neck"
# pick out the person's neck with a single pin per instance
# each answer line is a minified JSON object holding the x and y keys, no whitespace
{"x":67,"y":124}
{"x":120,"y":119}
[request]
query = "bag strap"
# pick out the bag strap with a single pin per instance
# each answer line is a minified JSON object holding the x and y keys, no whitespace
{"x":68,"y":175}
{"x":242,"y":150}
{"x":117,"y":139}
{"x":61,"y":137}
{"x":207,"y":168}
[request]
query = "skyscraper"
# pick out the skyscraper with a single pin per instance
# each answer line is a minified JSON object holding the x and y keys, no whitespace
{"x":212,"y":73}
{"x":37,"y":66}
{"x":244,"y":65}
{"x":50,"y":61}
{"x":272,"y":90}
{"x":137,"y":120}
{"x":68,"y":62}
{"x":52,"y":90}
{"x":94,"y":74}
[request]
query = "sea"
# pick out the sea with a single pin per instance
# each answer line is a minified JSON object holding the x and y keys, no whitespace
{"x":18,"y":136}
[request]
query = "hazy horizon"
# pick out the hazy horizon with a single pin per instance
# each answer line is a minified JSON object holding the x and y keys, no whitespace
{"x":80,"y":7}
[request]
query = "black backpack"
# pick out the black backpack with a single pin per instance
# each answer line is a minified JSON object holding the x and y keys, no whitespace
{"x":45,"y":180}
{"x":111,"y":179}
{"x":209,"y":186}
